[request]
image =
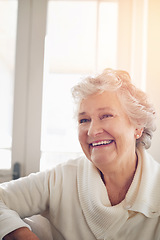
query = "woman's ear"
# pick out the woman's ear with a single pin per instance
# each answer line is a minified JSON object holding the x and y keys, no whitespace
{"x":138,"y":132}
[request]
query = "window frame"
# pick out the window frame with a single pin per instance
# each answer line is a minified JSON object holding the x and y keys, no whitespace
{"x":31,"y":29}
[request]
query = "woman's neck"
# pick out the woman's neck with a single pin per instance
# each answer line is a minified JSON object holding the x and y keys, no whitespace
{"x":118,"y":183}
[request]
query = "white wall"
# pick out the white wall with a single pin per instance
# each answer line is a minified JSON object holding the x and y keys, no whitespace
{"x":153,"y":68}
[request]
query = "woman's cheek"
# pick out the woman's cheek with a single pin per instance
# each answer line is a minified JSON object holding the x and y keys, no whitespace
{"x":80,"y":133}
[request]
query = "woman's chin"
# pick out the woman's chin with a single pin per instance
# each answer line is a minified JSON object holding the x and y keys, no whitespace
{"x":103,"y":153}
{"x":104,"y":161}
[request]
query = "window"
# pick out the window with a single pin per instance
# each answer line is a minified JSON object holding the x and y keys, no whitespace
{"x":81,"y":39}
{"x":8,"y":25}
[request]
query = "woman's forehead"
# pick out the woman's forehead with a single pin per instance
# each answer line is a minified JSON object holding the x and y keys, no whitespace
{"x":101,"y":98}
{"x":100,"y":101}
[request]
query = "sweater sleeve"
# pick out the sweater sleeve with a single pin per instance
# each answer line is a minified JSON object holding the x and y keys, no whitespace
{"x":22,"y":198}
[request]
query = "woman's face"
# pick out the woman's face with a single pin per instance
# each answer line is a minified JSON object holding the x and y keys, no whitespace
{"x":106,"y":135}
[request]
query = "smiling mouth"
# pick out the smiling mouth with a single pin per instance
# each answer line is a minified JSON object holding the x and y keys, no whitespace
{"x":95,"y":144}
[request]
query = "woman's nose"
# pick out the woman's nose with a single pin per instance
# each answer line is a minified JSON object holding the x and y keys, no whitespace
{"x":94,"y":129}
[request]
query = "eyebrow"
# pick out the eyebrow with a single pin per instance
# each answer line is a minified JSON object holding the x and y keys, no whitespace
{"x":81,"y":113}
{"x":99,"y":109}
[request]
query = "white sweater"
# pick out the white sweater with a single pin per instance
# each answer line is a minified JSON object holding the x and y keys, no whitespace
{"x":76,"y":202}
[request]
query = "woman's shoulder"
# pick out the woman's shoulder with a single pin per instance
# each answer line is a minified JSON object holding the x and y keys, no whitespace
{"x":148,"y":161}
{"x":71,"y":163}
{"x":70,"y":166}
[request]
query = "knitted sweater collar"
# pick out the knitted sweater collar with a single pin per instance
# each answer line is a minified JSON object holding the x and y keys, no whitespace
{"x":103,"y":219}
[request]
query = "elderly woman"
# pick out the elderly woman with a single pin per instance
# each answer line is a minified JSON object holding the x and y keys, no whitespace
{"x":110,"y":193}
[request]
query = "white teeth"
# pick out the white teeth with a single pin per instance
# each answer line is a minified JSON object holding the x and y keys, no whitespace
{"x":101,"y":143}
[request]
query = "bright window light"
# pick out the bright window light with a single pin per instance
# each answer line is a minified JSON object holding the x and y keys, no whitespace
{"x":107,"y":35}
{"x":79,"y":41}
{"x":71,"y":33}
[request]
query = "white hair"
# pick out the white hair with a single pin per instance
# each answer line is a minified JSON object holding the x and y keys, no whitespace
{"x":136,"y":103}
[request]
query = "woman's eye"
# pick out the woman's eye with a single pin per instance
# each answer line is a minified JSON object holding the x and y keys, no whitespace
{"x":106,"y":116}
{"x":84,"y":120}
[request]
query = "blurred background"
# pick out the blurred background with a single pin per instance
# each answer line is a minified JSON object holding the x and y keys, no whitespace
{"x":46,"y":46}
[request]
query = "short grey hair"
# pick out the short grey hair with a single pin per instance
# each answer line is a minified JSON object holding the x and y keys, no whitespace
{"x":136,"y":103}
